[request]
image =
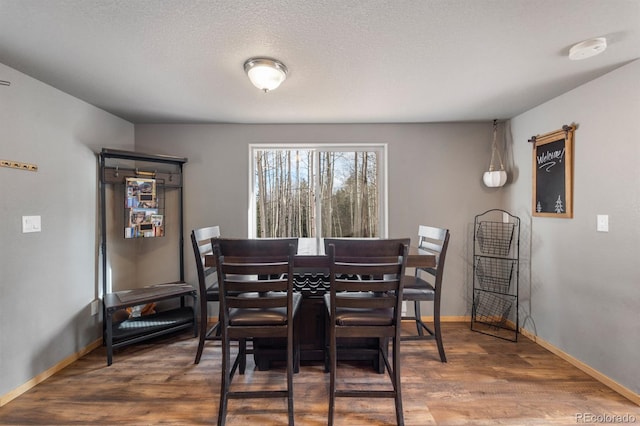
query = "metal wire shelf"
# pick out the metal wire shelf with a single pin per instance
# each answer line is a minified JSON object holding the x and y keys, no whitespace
{"x":492,"y":309}
{"x":495,"y":238}
{"x":494,"y":274}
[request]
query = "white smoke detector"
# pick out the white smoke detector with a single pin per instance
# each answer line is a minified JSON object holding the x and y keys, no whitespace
{"x":588,"y":48}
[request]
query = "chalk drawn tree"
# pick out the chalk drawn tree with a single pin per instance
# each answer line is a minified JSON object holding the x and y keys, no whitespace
{"x":559,"y":207}
{"x":538,"y":207}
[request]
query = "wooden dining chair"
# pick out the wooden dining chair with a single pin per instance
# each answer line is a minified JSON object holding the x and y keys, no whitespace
{"x":255,"y":279}
{"x":420,"y":288}
{"x":365,"y":301}
{"x":207,"y":284}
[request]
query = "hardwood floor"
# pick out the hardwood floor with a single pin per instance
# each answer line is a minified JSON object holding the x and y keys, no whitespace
{"x":487,"y":381}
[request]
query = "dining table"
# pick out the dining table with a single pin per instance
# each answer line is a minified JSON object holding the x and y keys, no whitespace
{"x":311,"y":255}
{"x":311,"y":266}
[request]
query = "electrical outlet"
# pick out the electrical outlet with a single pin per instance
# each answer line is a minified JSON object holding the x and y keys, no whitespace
{"x":31,"y":224}
{"x":602,"y":223}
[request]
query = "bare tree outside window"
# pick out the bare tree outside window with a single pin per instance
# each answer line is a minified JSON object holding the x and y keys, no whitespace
{"x":306,"y":192}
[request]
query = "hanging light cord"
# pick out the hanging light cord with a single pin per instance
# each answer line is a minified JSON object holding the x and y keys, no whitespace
{"x":494,"y":148}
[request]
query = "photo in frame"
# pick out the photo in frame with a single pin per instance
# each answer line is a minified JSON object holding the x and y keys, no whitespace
{"x":140,"y":193}
{"x":553,"y":173}
{"x":141,"y":209}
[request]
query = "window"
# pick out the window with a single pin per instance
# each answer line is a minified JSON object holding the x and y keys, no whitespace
{"x":318,"y":191}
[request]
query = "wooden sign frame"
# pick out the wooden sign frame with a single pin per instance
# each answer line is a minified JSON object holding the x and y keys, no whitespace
{"x":553,"y":174}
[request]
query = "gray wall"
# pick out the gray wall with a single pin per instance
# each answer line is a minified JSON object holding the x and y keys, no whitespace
{"x":48,"y":279}
{"x":435,"y":177}
{"x":582,"y":291}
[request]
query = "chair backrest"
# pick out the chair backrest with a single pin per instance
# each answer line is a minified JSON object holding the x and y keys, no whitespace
{"x":379,"y":264}
{"x":201,"y":243}
{"x":346,"y":246}
{"x":435,"y":241}
{"x":250,"y":267}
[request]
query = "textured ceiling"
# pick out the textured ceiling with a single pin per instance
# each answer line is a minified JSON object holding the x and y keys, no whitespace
{"x":350,"y":61}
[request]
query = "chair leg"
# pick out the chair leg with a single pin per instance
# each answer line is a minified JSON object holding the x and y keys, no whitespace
{"x":242,"y":354}
{"x":332,"y":378}
{"x":296,"y":349}
{"x":203,"y":333}
{"x":327,"y":345}
{"x":396,"y":381}
{"x":225,"y":382}
{"x":290,"y":371}
{"x":437,"y":332}
{"x":418,"y":315}
{"x":383,"y":352}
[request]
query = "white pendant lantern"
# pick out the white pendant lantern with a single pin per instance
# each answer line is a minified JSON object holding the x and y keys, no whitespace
{"x":495,"y":178}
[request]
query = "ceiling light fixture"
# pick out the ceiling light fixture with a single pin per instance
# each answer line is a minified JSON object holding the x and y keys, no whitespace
{"x":495,"y":178}
{"x":265,"y":73}
{"x":588,"y":48}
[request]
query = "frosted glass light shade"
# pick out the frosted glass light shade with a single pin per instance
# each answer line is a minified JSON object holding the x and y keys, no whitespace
{"x":266,"y":74}
{"x":495,"y":178}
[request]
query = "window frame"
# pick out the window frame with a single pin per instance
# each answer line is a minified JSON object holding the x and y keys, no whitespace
{"x":380,"y":148}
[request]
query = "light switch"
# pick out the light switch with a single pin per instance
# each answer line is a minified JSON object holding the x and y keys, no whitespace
{"x":602,"y":223}
{"x":95,"y":305}
{"x":31,"y":224}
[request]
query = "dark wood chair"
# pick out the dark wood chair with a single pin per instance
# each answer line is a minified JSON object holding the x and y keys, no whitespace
{"x":207,"y":284}
{"x":418,"y":288}
{"x":365,"y":301}
{"x":255,"y":279}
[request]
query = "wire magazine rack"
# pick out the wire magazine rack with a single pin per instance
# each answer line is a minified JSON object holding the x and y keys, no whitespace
{"x":496,"y":247}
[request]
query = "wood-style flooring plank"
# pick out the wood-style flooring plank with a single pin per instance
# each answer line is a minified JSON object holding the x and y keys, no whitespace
{"x":487,"y":381}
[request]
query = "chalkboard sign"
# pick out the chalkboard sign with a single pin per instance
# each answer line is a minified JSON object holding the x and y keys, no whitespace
{"x":553,"y":173}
